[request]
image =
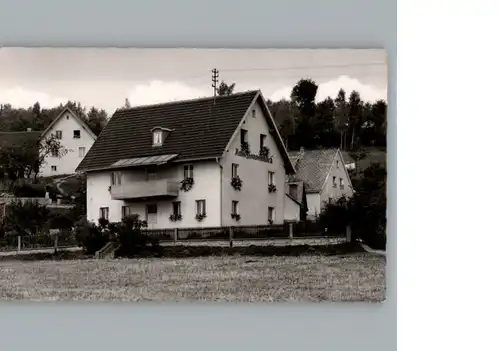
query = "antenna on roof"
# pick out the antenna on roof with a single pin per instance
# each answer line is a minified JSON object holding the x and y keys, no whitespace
{"x":215,"y":80}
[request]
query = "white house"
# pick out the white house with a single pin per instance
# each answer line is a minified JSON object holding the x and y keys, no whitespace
{"x":324,"y":175}
{"x":206,"y":162}
{"x":75,"y":136}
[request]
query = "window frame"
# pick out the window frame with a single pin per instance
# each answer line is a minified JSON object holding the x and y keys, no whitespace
{"x":235,"y":207}
{"x":53,"y":168}
{"x":58,"y":134}
{"x":116,"y":178}
{"x":151,"y":174}
{"x":77,"y":134}
{"x":188,"y":171}
{"x":126,"y":211}
{"x":271,"y":213}
{"x":203,"y":204}
{"x":104,"y":213}
{"x":234,"y":170}
{"x":243,"y":136}
{"x":155,"y":213}
{"x":270,"y":178}
{"x":179,"y":207}
{"x":262,"y":141}
{"x":80,"y":149}
{"x":157,"y":137}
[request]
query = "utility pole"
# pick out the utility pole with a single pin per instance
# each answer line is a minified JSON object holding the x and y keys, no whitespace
{"x":215,"y":80}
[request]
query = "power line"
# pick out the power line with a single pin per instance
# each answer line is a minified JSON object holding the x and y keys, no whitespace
{"x":305,"y":67}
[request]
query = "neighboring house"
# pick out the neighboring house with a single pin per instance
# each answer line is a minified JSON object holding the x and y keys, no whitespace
{"x":75,"y":136}
{"x":349,"y":162}
{"x":324,"y":175}
{"x":173,"y":164}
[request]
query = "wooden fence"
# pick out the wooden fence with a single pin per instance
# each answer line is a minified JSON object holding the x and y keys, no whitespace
{"x":302,"y":230}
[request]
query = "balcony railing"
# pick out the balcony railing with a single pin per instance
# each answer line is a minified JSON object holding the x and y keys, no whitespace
{"x":143,"y":189}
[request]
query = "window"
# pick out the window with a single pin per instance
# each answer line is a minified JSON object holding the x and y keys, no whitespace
{"x":116,"y":178}
{"x":270,"y":214}
{"x":262,"y":141}
{"x":58,"y":134}
{"x":243,"y":136}
{"x":188,"y":171}
{"x":201,"y":207}
{"x":234,"y":207}
{"x":293,"y":190}
{"x":341,"y":183}
{"x":53,"y":168}
{"x":177,"y":207}
{"x":334,"y":182}
{"x":81,"y":151}
{"x":253,"y":113}
{"x":104,"y":213}
{"x":151,"y":213}
{"x":337,"y":164}
{"x":270,"y":178}
{"x":151,"y":174}
{"x":234,"y":170}
{"x":157,"y":138}
{"x":125,"y":211}
{"x":54,"y":153}
{"x":76,"y":134}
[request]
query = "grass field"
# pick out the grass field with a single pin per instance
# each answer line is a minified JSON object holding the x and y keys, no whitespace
{"x":229,"y":279}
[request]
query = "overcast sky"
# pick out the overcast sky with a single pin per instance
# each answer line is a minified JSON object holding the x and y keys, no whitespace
{"x":105,"y":77}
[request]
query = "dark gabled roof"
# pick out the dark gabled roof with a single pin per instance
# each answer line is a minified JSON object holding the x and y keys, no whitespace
{"x":201,"y":130}
{"x":17,"y":139}
{"x":312,"y":166}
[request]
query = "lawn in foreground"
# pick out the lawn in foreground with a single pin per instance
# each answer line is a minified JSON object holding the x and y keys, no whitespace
{"x":233,"y":279}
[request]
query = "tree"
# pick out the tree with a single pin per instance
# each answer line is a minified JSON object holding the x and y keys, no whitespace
{"x":341,"y":116}
{"x":355,"y":114}
{"x":97,"y":120}
{"x":358,"y":155}
{"x":368,"y":207}
{"x":25,"y":218}
{"x":304,"y":95}
{"x":224,"y":89}
{"x":49,"y":145}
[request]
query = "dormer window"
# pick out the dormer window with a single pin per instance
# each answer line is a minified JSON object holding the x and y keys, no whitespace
{"x":160,"y":134}
{"x":157,"y":137}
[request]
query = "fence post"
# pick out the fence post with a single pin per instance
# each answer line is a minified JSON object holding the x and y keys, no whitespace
{"x":56,"y":239}
{"x":19,"y":243}
{"x":176,"y":234}
{"x":231,"y":236}
{"x":348,"y":233}
{"x":290,"y":231}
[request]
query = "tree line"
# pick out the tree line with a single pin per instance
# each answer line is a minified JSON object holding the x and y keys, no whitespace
{"x":38,"y":119}
{"x":345,"y":121}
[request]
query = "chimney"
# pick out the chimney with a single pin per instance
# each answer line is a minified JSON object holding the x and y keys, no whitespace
{"x":28,"y":130}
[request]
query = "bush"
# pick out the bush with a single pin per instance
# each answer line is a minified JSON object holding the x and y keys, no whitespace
{"x":335,"y":216}
{"x":131,"y":238}
{"x":90,"y":236}
{"x":365,"y":211}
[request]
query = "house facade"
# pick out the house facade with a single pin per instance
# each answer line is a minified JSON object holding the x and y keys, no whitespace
{"x":75,"y":136}
{"x":324,"y":175}
{"x":207,"y":162}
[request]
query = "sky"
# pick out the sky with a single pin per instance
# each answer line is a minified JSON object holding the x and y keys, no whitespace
{"x":105,"y":77}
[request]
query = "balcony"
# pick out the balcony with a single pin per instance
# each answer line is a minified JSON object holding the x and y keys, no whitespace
{"x":145,"y":189}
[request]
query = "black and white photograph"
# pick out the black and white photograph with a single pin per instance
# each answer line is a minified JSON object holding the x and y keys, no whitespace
{"x":193,"y":175}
